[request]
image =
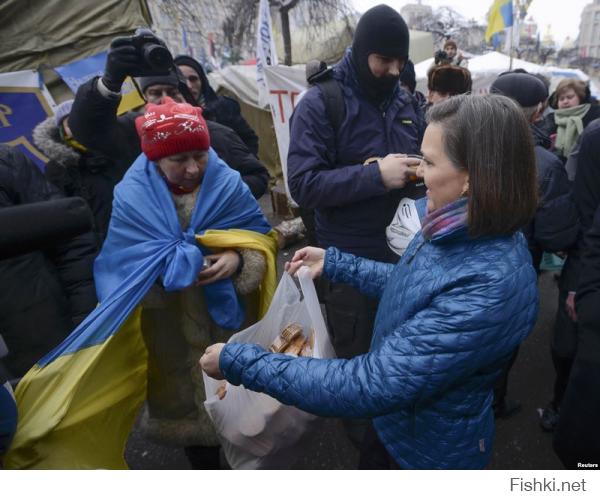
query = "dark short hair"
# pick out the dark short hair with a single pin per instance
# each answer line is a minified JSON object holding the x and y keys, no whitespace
{"x":489,"y":137}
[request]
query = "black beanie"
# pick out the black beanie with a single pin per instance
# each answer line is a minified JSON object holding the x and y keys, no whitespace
{"x":408,"y":76}
{"x":526,"y":89}
{"x":170,"y":79}
{"x":380,"y":30}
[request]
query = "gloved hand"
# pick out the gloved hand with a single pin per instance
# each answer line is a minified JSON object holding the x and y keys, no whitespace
{"x":123,"y":59}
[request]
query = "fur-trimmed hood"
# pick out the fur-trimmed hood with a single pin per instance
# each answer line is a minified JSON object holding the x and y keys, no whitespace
{"x":47,"y":138}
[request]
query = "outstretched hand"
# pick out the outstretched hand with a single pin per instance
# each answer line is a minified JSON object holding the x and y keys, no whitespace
{"x":312,"y":257}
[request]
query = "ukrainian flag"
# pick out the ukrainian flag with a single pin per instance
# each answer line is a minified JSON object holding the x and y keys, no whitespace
{"x":78,"y":404}
{"x":500,"y":17}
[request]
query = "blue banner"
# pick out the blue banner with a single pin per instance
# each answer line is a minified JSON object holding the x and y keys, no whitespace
{"x":78,"y":72}
{"x":21,"y":109}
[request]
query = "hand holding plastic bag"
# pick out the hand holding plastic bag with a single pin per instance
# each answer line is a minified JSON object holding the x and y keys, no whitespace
{"x":257,"y":431}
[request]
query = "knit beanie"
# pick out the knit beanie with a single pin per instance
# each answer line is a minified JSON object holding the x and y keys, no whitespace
{"x":170,"y":79}
{"x":380,"y":30}
{"x":62,"y":111}
{"x":408,"y":76}
{"x":170,"y":128}
{"x":526,"y":89}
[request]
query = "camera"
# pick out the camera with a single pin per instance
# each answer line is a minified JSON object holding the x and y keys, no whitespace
{"x":441,"y":57}
{"x":151,"y":51}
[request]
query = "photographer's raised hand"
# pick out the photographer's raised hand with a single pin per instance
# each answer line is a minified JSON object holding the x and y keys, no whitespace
{"x":122,"y":60}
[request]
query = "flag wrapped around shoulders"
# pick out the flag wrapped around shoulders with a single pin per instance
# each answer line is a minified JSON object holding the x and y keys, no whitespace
{"x":500,"y":17}
{"x":77,"y":405}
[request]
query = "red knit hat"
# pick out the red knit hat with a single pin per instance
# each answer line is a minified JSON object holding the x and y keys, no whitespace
{"x":171,"y":128}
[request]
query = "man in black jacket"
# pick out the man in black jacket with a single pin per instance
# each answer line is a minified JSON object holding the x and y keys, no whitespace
{"x":555,"y":224}
{"x":44,"y":294}
{"x":566,"y":335}
{"x":577,"y":436}
{"x":221,"y":109}
{"x":95,"y":124}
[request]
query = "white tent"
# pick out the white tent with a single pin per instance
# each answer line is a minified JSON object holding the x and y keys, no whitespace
{"x":484,"y":70}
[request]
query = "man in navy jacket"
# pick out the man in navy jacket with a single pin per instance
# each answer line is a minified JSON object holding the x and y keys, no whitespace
{"x":355,"y":176}
{"x":354,"y":202}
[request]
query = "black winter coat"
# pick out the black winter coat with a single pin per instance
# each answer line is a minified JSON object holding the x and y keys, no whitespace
{"x":577,"y":438}
{"x":94,"y":123}
{"x":555,"y":225}
{"x":46,"y":293}
{"x":586,"y":191}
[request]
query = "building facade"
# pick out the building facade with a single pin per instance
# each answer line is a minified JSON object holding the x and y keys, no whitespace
{"x":589,"y":31}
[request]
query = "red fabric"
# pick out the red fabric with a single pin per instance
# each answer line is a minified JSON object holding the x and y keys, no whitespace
{"x":171,"y":128}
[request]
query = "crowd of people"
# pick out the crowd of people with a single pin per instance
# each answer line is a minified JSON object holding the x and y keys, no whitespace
{"x":424,"y":337}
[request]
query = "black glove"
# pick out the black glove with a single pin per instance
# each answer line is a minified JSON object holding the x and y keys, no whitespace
{"x":123,"y":59}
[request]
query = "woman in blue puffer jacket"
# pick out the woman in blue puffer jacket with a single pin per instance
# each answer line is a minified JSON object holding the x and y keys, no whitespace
{"x":451,"y":312}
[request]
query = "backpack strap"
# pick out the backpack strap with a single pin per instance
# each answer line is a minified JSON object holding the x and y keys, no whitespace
{"x":318,"y":74}
{"x":334,"y":101}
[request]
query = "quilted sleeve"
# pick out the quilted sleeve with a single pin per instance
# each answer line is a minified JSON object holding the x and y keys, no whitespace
{"x":463,"y":330}
{"x":367,"y":276}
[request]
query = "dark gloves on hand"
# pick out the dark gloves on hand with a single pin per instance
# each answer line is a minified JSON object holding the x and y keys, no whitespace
{"x":126,"y":58}
{"x":122,"y":60}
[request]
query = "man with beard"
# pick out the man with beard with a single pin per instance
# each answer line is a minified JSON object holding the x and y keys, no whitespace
{"x":354,"y":174}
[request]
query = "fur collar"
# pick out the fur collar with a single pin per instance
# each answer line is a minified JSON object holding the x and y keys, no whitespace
{"x":47,"y":138}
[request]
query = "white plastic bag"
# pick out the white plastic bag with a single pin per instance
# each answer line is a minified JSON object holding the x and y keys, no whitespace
{"x":255,"y":430}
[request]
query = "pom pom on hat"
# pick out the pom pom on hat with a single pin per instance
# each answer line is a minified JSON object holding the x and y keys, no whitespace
{"x":171,"y":128}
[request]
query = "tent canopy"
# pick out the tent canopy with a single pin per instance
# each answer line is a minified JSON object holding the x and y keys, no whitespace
{"x":57,"y":32}
{"x":485,"y":68}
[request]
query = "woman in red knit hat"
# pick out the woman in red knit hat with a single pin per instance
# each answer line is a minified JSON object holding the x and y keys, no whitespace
{"x":181,"y":316}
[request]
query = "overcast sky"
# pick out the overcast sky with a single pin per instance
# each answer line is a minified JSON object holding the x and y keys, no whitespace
{"x":563,"y":16}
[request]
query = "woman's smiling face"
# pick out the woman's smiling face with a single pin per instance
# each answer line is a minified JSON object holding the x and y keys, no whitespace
{"x":445,"y":182}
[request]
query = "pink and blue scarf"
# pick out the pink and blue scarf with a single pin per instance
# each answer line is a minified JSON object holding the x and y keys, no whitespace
{"x":450,"y":220}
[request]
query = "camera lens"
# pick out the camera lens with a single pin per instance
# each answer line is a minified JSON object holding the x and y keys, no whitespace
{"x":158,"y":57}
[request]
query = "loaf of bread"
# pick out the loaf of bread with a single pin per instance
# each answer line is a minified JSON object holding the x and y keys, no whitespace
{"x":286,"y":337}
{"x":293,"y":341}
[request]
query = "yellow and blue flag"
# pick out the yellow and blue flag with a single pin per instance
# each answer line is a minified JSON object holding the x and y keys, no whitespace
{"x":500,"y":17}
{"x":78,"y":404}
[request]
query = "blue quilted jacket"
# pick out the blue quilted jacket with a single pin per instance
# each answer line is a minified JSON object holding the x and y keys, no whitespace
{"x":451,"y":313}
